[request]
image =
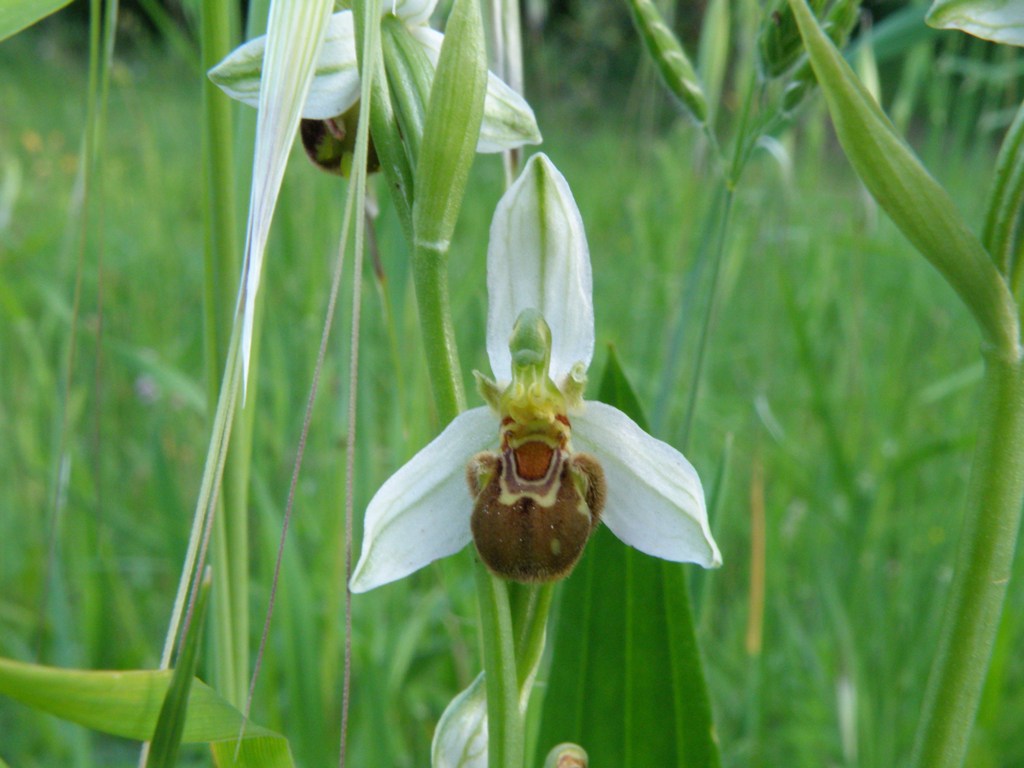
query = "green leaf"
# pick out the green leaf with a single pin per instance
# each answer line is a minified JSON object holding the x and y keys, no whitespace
{"x":915,"y":202}
{"x":128,"y":703}
{"x":1001,"y":21}
{"x":625,"y":643}
{"x":16,"y":15}
{"x":170,"y":725}
{"x":616,"y":390}
{"x":451,"y":128}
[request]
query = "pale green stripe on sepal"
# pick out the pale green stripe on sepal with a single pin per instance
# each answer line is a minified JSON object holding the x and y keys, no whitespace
{"x":669,"y":57}
{"x":451,"y":128}
{"x":915,"y":202}
{"x":335,"y":85}
{"x":1001,"y":21}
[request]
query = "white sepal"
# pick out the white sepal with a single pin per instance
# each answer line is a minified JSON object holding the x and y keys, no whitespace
{"x":655,"y":499}
{"x":412,"y":12}
{"x":460,"y":739}
{"x":538,"y":257}
{"x":335,"y":85}
{"x":508,"y":121}
{"x":422,"y":512}
{"x":1000,"y":21}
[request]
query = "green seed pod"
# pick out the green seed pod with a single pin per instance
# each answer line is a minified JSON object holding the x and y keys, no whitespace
{"x":669,"y":57}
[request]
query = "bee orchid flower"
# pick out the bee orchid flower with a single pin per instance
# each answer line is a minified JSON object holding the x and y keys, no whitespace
{"x":508,"y":120}
{"x":543,"y":465}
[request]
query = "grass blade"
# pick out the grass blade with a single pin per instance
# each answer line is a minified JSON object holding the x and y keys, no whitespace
{"x":170,"y":725}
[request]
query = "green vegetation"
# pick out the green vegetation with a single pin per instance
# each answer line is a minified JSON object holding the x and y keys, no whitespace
{"x":841,"y":382}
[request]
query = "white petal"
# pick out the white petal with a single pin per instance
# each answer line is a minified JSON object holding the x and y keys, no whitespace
{"x":335,"y":85}
{"x":295,"y":32}
{"x":412,"y":12}
{"x":655,"y":499}
{"x":508,"y":121}
{"x":538,"y":257}
{"x":460,"y":739}
{"x":422,"y":512}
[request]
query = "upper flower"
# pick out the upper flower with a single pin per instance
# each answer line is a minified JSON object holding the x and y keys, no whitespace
{"x":508,"y":121}
{"x":543,"y":463}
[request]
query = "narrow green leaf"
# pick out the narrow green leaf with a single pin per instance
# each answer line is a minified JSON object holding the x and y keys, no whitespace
{"x":1001,"y":21}
{"x":451,"y":128}
{"x":669,"y":57}
{"x":16,"y":15}
{"x":1002,"y":232}
{"x":170,"y":725}
{"x":625,"y":643}
{"x":915,"y":202}
{"x":387,"y":139}
{"x":128,"y":703}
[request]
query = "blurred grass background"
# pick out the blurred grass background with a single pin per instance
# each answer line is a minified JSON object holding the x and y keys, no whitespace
{"x":841,"y":372}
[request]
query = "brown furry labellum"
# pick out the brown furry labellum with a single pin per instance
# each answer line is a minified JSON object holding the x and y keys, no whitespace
{"x":535,"y":507}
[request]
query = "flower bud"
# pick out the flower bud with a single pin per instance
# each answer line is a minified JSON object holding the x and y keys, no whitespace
{"x":567,"y":756}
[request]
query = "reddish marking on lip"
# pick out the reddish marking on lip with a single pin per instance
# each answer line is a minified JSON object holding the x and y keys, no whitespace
{"x":533,"y":459}
{"x":562,"y":418}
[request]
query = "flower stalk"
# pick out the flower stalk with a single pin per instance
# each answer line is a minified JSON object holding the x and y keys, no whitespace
{"x":988,"y":544}
{"x":505,"y":744}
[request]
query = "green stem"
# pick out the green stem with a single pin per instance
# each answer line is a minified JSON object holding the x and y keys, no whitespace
{"x":505,"y":747}
{"x":430,"y":274}
{"x":983,"y":571}
{"x":531,"y":604}
{"x":709,"y":311}
{"x":230,"y":637}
